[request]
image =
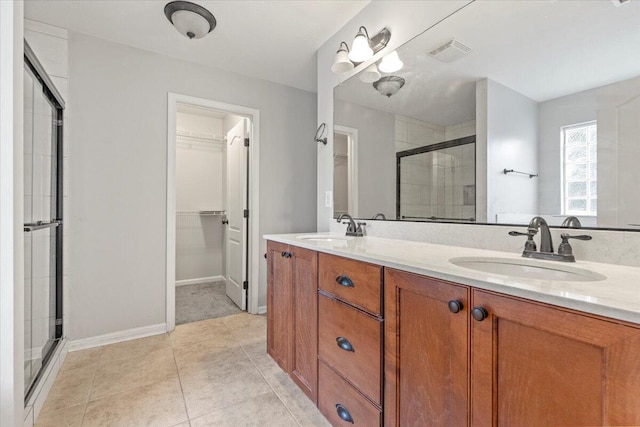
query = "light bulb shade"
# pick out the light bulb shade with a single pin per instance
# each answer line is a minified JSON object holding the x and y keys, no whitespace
{"x":390,"y":63}
{"x":370,"y":74}
{"x":389,"y":85}
{"x":341,"y":62}
{"x":360,"y":50}
{"x":191,"y":20}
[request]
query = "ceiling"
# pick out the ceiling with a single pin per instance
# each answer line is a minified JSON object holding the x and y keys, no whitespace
{"x":269,"y":40}
{"x":542,"y":49}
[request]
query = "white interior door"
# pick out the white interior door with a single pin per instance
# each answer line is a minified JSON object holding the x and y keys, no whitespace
{"x":236,"y":253}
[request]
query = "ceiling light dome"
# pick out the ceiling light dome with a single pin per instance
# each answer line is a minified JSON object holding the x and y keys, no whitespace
{"x":389,"y":85}
{"x":191,"y":20}
{"x":391,"y":63}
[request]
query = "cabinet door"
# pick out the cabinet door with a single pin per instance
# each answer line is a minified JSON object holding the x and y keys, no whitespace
{"x":426,"y":351}
{"x":538,"y":365}
{"x":304,"y":363}
{"x":279,"y":298}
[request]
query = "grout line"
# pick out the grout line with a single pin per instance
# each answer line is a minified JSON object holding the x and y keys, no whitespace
{"x":184,"y":400}
{"x":93,"y":379}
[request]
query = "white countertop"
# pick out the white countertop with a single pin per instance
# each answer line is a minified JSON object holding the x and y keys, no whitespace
{"x":617,"y":296}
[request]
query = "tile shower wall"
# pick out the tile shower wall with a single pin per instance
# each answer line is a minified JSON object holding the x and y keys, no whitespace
{"x":440,"y":184}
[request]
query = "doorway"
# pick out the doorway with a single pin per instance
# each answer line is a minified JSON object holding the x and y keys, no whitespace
{"x":345,"y":171}
{"x":212,"y":233}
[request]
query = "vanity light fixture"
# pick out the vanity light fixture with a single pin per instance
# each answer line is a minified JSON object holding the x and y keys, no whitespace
{"x":190,"y":19}
{"x":391,"y":63}
{"x":362,"y":49}
{"x":370,"y":74}
{"x":341,"y":62}
{"x":389,"y":85}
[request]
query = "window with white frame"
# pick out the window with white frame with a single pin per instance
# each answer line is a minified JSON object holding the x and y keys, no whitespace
{"x":579,"y":169}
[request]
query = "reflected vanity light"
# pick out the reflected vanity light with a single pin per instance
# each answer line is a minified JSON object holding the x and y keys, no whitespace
{"x":370,"y":74}
{"x":362,"y":49}
{"x":391,"y":63}
{"x":389,"y":85}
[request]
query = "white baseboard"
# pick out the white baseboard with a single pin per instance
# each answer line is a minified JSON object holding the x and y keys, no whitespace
{"x":200,"y":280}
{"x":262,"y":309}
{"x":114,"y":337}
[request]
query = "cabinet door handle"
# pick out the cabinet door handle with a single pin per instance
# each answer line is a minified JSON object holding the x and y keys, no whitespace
{"x":345,"y":281}
{"x":344,"y":344}
{"x":455,"y":306}
{"x":286,"y":254}
{"x":344,"y":413}
{"x":479,"y":313}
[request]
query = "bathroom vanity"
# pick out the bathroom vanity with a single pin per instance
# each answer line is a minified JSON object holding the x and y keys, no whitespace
{"x":397,"y":333}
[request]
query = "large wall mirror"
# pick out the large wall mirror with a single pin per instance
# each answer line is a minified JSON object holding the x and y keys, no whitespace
{"x":503,"y":111}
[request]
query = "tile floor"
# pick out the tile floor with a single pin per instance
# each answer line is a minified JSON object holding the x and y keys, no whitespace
{"x":203,"y":301}
{"x":209,"y":373}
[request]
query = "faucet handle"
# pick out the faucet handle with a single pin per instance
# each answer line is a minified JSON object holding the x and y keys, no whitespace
{"x":530,"y":244}
{"x":565,"y":248}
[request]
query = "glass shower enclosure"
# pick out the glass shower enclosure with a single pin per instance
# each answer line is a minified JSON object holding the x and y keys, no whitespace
{"x":43,"y":160}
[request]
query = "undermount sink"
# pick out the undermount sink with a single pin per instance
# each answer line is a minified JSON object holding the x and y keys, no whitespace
{"x":530,"y":269}
{"x":322,"y":237}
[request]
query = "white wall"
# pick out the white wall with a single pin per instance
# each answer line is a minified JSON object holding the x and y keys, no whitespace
{"x":552,"y":116}
{"x":199,"y":168}
{"x":405,"y":19}
{"x":510,"y":137}
{"x":119,"y":206}
{"x":11,"y":214}
{"x":376,"y":157}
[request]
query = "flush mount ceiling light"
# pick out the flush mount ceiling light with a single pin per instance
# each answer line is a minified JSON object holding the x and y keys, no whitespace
{"x":362,"y":49}
{"x":370,"y":74}
{"x":391,"y":63}
{"x":191,"y":20}
{"x":389,"y":85}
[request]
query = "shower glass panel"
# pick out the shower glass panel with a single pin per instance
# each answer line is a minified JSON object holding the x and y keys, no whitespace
{"x":437,"y":182}
{"x":42,"y":220}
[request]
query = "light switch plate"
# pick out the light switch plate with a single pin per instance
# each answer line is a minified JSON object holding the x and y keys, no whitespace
{"x":328,"y":199}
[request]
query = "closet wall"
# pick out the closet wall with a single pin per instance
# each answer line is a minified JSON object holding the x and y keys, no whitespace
{"x":200,"y":160}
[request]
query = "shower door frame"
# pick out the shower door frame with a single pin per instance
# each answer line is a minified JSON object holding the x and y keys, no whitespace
{"x":57,"y":102}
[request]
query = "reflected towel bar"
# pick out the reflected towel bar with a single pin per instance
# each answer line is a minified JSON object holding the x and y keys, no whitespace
{"x":506,"y":171}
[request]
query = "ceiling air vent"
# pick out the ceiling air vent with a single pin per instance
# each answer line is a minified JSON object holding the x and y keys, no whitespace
{"x":450,"y":51}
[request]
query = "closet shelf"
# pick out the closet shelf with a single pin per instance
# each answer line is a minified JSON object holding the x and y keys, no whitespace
{"x":202,"y":213}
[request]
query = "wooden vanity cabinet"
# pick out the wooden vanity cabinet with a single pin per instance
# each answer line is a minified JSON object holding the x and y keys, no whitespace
{"x":533,"y":364}
{"x":426,"y":351}
{"x":292,"y":313}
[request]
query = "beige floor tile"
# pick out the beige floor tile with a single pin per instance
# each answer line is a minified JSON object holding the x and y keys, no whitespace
{"x":118,"y":375}
{"x":265,"y":410}
{"x":134,"y":348}
{"x":209,"y":359}
{"x":82,"y":359}
{"x":184,"y":424}
{"x":158,"y":404}
{"x":70,"y":388}
{"x":217,"y":388}
{"x":66,"y":417}
{"x":205,"y":330}
{"x":257,"y":352}
{"x":245,"y":321}
{"x":302,"y":408}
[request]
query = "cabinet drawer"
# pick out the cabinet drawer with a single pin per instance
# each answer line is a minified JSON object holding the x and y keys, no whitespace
{"x":356,"y":282}
{"x":336,"y":396}
{"x":351,"y":343}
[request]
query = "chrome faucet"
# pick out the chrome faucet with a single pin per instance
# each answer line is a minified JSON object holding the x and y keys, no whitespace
{"x":353,"y":229}
{"x":565,"y":252}
{"x":571,"y":222}
{"x":379,"y":215}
